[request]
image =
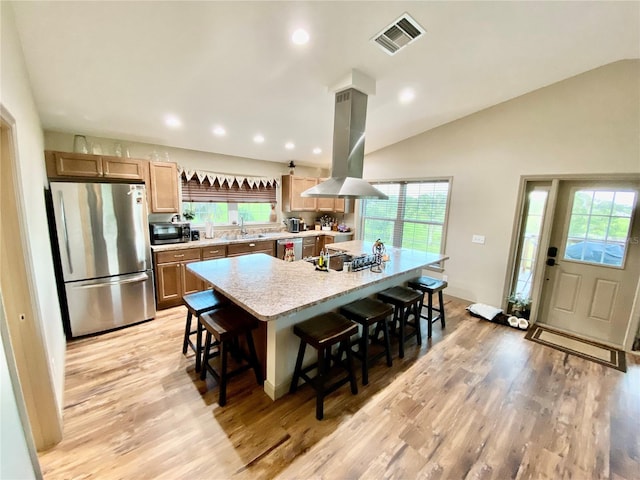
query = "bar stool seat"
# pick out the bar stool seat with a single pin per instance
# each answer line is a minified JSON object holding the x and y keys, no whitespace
{"x":430,"y":286}
{"x":197,"y":304}
{"x":405,"y":301}
{"x":368,"y":312}
{"x":322,"y":333}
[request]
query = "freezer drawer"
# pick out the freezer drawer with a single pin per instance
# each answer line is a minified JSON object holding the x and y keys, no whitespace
{"x":107,"y":303}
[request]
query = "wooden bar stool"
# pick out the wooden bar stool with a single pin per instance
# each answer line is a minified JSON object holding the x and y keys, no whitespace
{"x":197,"y":304}
{"x":226,"y":325}
{"x":405,"y":301}
{"x":368,"y":312}
{"x":322,"y":333}
{"x":430,"y":286}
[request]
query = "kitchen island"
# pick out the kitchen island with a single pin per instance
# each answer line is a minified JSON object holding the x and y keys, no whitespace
{"x":285,"y":293}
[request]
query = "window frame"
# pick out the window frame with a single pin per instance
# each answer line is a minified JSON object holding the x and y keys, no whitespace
{"x":398,"y":221}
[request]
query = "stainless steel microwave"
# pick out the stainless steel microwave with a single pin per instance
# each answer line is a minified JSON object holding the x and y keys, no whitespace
{"x":161,"y":233}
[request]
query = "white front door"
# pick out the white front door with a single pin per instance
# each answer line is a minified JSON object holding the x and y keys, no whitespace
{"x":591,"y":278}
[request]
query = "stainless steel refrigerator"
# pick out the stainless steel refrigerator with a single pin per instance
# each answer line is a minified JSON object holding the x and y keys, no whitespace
{"x":102,"y":235}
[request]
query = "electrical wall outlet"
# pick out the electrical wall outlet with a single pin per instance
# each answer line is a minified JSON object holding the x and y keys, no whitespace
{"x":445,"y":278}
{"x":478,"y":239}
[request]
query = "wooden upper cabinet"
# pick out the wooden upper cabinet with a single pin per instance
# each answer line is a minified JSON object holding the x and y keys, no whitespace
{"x":292,"y":188}
{"x":163,"y":187}
{"x":124,"y":168}
{"x":326,"y":204}
{"x":77,"y":165}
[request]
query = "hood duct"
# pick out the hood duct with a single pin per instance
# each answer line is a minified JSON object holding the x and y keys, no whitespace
{"x":348,"y":151}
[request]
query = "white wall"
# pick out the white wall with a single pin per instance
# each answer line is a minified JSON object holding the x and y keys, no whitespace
{"x":17,"y":99}
{"x":583,"y":125}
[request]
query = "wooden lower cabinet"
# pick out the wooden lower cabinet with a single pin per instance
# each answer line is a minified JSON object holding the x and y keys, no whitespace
{"x":263,"y":246}
{"x":173,"y":280}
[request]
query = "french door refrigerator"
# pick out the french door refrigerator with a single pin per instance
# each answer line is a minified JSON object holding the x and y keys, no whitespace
{"x":102,"y":237}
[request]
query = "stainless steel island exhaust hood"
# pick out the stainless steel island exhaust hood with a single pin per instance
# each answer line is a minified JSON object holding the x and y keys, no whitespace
{"x":348,"y":151}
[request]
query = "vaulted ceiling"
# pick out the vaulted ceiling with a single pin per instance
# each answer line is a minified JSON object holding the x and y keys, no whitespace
{"x":118,"y":69}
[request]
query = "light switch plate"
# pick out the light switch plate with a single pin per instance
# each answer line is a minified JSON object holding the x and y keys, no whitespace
{"x":478,"y":239}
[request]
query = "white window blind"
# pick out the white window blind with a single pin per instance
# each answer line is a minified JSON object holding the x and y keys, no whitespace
{"x":413,"y":217}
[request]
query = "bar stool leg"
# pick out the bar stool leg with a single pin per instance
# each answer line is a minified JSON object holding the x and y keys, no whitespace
{"x":402,"y":324}
{"x":199,"y":352}
{"x":364,"y":343}
{"x":441,"y":300}
{"x":387,"y":341}
{"x":254,"y":358}
{"x":430,"y":306}
{"x":416,"y":317}
{"x":352,"y":377}
{"x":320,"y":381}
{"x":187,"y":332}
{"x":222,"y":395}
{"x":296,"y":371}
{"x":205,"y":355}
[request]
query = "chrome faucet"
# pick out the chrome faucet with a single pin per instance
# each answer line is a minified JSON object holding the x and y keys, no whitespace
{"x":243,"y":231}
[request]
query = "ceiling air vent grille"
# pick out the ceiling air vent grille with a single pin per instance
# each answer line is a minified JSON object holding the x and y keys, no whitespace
{"x":399,"y":34}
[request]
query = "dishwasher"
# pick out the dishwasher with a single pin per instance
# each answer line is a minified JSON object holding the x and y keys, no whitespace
{"x":297,"y":247}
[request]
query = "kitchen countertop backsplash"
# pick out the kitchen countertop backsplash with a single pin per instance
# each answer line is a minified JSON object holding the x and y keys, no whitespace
{"x":225,"y":237}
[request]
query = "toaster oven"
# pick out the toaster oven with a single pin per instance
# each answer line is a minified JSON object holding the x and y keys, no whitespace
{"x":161,"y":233}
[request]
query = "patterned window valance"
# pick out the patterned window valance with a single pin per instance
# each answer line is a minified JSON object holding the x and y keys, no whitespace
{"x":202,"y":186}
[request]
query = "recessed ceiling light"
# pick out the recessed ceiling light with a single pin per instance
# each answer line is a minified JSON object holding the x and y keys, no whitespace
{"x":172,"y":121}
{"x":300,"y":37}
{"x":406,"y":96}
{"x":317,"y":151}
{"x":258,"y":138}
{"x":219,"y":131}
{"x":289,"y":146}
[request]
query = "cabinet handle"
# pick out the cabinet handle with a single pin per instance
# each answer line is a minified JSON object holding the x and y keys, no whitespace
{"x":214,"y":251}
{"x":178,"y":256}
{"x":252,"y":244}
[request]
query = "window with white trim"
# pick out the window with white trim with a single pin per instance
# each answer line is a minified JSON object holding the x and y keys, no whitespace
{"x":414,"y":216}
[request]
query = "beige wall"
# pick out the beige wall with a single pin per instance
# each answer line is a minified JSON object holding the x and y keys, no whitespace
{"x":583,"y":125}
{"x":17,"y":100}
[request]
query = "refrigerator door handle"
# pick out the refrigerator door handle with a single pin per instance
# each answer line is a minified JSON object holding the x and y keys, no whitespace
{"x":64,"y":228}
{"x":143,"y":277}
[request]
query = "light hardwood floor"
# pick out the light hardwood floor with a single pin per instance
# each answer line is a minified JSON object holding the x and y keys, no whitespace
{"x":478,"y":401}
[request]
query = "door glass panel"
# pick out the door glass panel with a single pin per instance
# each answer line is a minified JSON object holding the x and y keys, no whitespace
{"x":599,"y":227}
{"x":536,"y":201}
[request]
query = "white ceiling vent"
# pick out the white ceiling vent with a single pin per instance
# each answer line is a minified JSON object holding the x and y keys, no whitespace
{"x":399,"y":34}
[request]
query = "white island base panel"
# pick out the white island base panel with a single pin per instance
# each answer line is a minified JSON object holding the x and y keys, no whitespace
{"x":283,"y":344}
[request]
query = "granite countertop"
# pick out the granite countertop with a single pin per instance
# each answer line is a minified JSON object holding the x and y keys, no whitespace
{"x":270,"y":288}
{"x":254,"y":237}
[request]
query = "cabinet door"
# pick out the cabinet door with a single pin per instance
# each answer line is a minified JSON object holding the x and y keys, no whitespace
{"x":124,"y":168}
{"x":190,"y":283}
{"x":169,"y":282}
{"x":299,"y":185}
{"x":78,"y":165}
{"x":339,"y":205}
{"x":163,"y":191}
{"x":325,"y":204}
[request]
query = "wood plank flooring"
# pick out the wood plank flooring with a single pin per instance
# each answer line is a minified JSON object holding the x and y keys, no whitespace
{"x":478,"y":401}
